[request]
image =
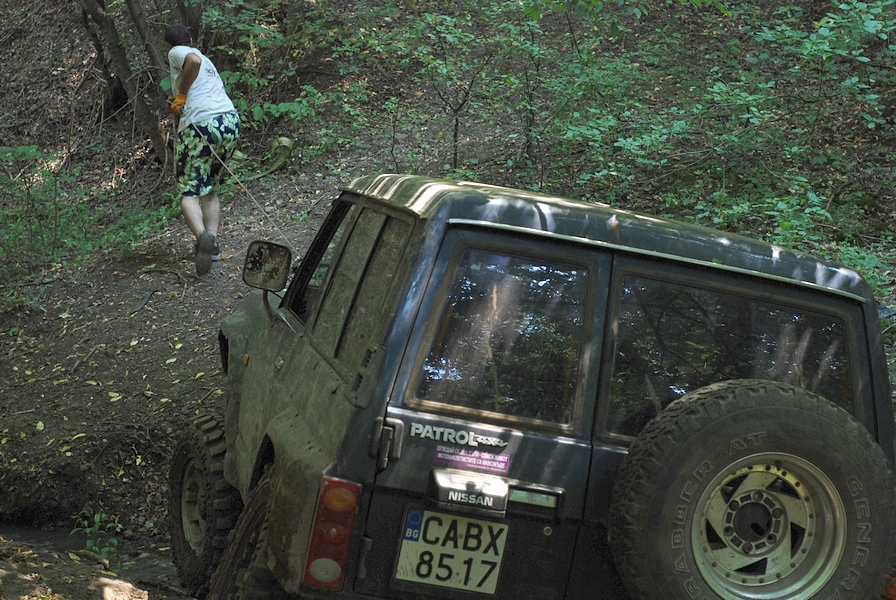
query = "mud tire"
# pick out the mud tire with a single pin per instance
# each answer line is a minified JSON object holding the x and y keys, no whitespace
{"x":243,"y":573}
{"x":753,"y":489}
{"x":202,"y":505}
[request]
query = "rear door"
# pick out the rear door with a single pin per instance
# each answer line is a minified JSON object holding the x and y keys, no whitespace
{"x":482,"y":488}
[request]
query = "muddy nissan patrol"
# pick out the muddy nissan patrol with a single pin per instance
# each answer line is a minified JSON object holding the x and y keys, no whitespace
{"x":468,"y":391}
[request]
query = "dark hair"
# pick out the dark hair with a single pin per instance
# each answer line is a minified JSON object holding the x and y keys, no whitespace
{"x":178,"y":35}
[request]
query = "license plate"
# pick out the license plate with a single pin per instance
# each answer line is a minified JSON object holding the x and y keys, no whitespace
{"x":451,"y":551}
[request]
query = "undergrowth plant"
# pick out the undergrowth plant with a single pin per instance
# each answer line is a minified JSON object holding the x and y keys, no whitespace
{"x":849,"y":52}
{"x":100,"y":530}
{"x":47,"y":218}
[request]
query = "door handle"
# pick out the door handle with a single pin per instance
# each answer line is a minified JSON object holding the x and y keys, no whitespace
{"x":386,"y":441}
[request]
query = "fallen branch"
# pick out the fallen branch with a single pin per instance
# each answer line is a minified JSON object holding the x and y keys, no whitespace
{"x":89,"y":354}
{"x":94,"y":557}
{"x":157,"y":270}
{"x":163,"y":586}
{"x":143,"y":303}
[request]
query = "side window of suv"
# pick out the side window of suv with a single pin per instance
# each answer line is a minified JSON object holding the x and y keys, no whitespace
{"x":339,"y":293}
{"x":674,"y":338}
{"x":316,"y":265}
{"x":374,"y":301}
{"x":355,"y":303}
{"x":349,"y":301}
{"x":509,"y":340}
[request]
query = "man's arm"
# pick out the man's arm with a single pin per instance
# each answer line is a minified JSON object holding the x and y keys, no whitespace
{"x":190,"y":69}
{"x":192,"y":62}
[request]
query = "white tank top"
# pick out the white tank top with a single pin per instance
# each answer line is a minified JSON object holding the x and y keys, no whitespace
{"x":207,"y":97}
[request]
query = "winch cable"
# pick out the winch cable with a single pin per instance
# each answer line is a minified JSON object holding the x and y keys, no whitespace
{"x":250,"y":195}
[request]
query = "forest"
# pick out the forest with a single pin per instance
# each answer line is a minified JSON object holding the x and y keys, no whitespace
{"x":774,"y":120}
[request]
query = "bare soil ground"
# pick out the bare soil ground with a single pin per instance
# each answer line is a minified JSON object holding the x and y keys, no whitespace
{"x":95,"y":384}
{"x":111,"y":356}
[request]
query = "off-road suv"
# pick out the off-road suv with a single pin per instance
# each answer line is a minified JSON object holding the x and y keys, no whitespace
{"x":469,"y":391}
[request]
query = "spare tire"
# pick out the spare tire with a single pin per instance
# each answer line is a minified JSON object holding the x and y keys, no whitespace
{"x":754,"y":489}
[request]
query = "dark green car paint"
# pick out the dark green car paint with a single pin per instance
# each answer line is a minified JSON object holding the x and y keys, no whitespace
{"x":297,"y":396}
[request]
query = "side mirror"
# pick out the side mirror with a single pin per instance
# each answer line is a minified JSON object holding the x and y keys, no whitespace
{"x":267,"y":266}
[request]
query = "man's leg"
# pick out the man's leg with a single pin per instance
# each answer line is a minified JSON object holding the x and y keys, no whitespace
{"x":197,"y":220}
{"x":211,"y":212}
{"x":193,"y":214}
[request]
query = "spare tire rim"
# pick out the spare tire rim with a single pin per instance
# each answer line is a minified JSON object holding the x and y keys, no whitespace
{"x":769,"y":525}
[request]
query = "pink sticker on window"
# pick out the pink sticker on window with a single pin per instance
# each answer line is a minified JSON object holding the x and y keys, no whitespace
{"x":472,"y":459}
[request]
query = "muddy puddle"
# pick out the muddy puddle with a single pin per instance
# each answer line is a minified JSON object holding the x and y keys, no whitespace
{"x":138,"y":563}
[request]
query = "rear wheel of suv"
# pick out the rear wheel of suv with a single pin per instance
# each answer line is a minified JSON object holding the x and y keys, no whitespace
{"x":754,"y":489}
{"x":203,"y":507}
{"x":243,"y":574}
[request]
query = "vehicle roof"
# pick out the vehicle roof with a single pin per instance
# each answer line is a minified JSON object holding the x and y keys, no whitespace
{"x":602,"y":225}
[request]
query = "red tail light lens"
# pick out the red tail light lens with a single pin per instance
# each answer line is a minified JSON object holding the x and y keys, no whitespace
{"x":337,"y":506}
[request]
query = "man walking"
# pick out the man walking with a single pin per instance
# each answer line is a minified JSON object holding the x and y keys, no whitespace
{"x":207,"y":132}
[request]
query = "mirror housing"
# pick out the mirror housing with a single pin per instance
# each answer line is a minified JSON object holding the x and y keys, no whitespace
{"x":267,"y":266}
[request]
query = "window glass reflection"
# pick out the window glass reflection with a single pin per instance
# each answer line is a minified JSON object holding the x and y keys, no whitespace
{"x":673,"y":339}
{"x":509,"y":339}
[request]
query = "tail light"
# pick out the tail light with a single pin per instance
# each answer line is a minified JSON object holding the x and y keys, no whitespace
{"x":328,"y":548}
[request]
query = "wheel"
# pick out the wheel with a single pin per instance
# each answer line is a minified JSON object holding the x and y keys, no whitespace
{"x":243,"y":574}
{"x":754,"y":489}
{"x":202,"y":506}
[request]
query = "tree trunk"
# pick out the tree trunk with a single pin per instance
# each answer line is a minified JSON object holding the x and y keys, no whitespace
{"x":118,"y":61}
{"x":191,"y":17}
{"x":153,"y":40}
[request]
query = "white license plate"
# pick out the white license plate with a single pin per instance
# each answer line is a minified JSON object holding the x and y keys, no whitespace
{"x":451,"y":551}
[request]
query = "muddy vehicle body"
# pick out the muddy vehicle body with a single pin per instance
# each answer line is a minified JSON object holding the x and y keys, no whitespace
{"x":468,"y":391}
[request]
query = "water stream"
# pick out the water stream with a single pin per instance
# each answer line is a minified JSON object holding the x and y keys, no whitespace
{"x":138,"y":563}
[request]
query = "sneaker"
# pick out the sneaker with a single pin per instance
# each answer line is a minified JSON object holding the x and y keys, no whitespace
{"x":205,"y":246}
{"x":216,"y":253}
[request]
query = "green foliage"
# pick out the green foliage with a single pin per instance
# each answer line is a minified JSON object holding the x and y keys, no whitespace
{"x":605,"y":8}
{"x":270,"y":47}
{"x":839,"y":53}
{"x":871,"y":260}
{"x":100,"y":529}
{"x":453,"y":59}
{"x":46,"y":217}
{"x":788,"y":216}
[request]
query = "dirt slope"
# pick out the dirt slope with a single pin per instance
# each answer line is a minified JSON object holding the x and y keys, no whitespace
{"x":93,"y":391}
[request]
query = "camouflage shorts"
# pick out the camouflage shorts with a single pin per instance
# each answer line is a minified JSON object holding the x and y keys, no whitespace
{"x":201,"y":148}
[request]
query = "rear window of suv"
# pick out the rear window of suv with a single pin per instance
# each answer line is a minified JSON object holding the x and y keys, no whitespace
{"x":508,"y":343}
{"x":675,"y":337}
